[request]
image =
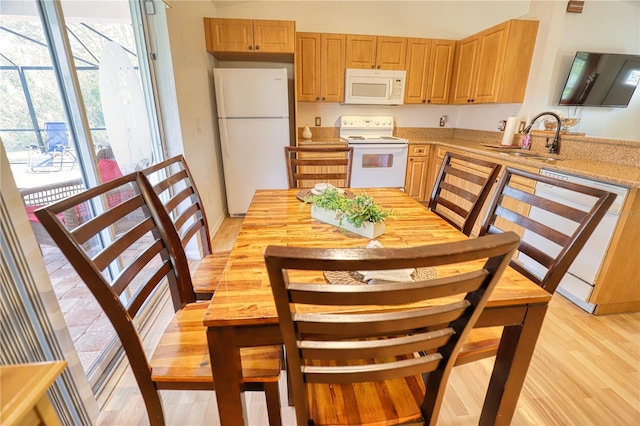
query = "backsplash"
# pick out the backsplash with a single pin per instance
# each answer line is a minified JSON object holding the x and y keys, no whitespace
{"x":321,"y":132}
{"x":616,"y":151}
{"x":587,"y":148}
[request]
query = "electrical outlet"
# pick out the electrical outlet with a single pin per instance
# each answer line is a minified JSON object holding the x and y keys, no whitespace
{"x":318,"y":121}
{"x":443,"y":120}
{"x":502,"y":124}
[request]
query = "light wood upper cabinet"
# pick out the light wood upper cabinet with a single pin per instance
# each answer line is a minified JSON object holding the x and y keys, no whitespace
{"x":320,"y":64}
{"x":376,"y":52}
{"x":493,"y":65}
{"x":234,"y":39}
{"x":464,"y":70}
{"x":429,"y":63}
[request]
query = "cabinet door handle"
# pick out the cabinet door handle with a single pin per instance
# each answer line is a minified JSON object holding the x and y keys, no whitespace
{"x":257,"y":47}
{"x":250,"y":47}
{"x":323,"y":98}
{"x":317,"y":98}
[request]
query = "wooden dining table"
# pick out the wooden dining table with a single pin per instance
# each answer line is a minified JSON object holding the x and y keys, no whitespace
{"x":242,"y":312}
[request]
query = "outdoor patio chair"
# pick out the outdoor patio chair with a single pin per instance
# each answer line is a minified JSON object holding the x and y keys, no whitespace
{"x":366,"y":368}
{"x":56,"y":145}
{"x":126,"y":273}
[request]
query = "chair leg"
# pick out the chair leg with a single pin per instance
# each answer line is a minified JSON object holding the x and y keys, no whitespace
{"x":272,"y":393}
{"x":153,"y":403}
{"x":290,"y":400}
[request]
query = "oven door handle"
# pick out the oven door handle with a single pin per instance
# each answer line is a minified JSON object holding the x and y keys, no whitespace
{"x":378,"y":145}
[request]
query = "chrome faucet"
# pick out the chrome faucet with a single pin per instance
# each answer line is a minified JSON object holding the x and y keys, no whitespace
{"x":554,"y":146}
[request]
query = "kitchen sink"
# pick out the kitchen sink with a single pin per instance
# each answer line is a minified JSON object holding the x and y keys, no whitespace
{"x":532,"y":156}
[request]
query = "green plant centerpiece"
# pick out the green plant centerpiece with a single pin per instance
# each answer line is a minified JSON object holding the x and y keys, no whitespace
{"x":359,"y":214}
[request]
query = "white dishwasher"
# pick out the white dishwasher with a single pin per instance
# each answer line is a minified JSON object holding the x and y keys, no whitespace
{"x":579,"y":280}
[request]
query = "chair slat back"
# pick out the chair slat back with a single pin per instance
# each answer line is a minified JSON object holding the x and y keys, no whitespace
{"x":542,"y":222}
{"x":122,"y":267}
{"x":329,"y":340}
{"x":173,"y":183}
{"x":307,"y":166}
{"x":461,"y":188}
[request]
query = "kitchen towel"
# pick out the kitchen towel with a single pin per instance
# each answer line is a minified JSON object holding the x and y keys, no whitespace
{"x":397,"y":275}
{"x":509,"y":131}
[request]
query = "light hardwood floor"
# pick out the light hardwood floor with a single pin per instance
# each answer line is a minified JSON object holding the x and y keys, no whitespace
{"x":585,"y":371}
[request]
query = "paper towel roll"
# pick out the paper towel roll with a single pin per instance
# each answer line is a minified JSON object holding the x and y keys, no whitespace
{"x":509,"y":131}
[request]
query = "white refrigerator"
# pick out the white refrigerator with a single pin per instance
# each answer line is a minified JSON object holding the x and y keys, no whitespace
{"x":253,"y":117}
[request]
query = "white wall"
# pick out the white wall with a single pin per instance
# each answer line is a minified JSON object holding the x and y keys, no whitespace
{"x":610,"y":26}
{"x":197,"y":126}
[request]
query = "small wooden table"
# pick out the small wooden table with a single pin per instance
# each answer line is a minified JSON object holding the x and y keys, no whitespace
{"x":242,"y":312}
{"x":23,"y":398}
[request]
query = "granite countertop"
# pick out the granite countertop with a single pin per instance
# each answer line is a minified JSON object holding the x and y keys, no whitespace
{"x":620,"y":174}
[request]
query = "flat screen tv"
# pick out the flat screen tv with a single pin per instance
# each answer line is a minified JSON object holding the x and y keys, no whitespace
{"x":601,"y":79}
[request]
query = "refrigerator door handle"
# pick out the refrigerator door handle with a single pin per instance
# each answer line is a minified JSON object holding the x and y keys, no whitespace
{"x":224,"y":138}
{"x":219,"y":85}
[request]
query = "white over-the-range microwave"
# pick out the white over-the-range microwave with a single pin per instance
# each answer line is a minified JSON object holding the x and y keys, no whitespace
{"x":374,"y":87}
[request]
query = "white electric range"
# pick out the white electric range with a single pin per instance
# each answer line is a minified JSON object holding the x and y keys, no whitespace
{"x":379,"y":158}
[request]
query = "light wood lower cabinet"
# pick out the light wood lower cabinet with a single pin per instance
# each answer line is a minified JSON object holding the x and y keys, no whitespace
{"x":415,"y":183}
{"x":617,"y":287}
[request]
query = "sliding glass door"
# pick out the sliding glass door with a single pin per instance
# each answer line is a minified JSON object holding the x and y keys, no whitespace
{"x":78,"y":110}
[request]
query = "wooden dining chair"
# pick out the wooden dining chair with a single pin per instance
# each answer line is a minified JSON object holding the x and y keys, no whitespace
{"x":461,"y":188}
{"x":307,"y":166}
{"x":354,"y":365}
{"x":512,"y":208}
{"x":126,"y":272}
{"x":173,"y":183}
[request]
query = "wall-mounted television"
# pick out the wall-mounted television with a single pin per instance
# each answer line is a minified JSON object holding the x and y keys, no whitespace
{"x":601,"y":79}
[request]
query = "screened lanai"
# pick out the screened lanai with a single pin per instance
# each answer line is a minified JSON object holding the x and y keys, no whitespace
{"x":33,"y":124}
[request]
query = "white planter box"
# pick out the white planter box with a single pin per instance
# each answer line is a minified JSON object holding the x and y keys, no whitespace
{"x":368,"y":229}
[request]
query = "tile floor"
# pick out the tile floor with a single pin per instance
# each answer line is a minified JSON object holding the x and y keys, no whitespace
{"x":90,"y":329}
